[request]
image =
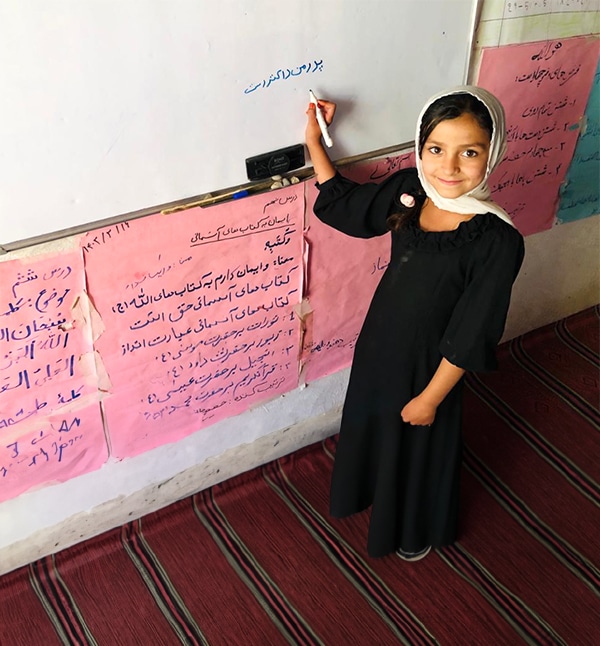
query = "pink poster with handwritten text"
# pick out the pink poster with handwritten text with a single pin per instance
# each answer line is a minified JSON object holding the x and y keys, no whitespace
{"x":54,"y":449}
{"x":46,"y":354}
{"x":544,"y":88}
{"x":343,"y":273}
{"x":49,"y":430}
{"x":199,"y":310}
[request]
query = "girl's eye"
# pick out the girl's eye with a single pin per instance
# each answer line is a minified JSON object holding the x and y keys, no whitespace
{"x":435,"y":150}
{"x":470,"y":153}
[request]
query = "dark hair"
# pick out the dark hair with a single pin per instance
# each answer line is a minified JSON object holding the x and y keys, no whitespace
{"x":450,"y":106}
{"x":453,"y":106}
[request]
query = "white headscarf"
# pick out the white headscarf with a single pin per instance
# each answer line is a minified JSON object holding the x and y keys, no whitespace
{"x":476,"y":200}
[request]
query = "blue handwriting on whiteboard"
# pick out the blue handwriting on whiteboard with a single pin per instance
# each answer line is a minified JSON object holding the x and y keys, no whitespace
{"x":284,"y":75}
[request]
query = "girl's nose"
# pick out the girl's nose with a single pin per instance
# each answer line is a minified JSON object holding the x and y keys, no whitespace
{"x":450,"y":164}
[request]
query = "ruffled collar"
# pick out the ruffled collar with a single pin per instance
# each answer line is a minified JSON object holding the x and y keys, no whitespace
{"x":445,"y":241}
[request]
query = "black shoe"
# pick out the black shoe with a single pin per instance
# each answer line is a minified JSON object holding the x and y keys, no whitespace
{"x":413,"y":556}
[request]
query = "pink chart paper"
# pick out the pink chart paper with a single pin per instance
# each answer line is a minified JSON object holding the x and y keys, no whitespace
{"x":198,"y":308}
{"x":544,"y":88}
{"x":56,"y":449}
{"x":47,"y":432}
{"x":45,"y":344}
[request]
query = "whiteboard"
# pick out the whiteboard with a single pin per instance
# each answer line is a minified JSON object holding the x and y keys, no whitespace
{"x":113,"y":106}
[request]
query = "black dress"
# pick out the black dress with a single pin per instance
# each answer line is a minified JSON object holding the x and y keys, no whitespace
{"x":444,"y":294}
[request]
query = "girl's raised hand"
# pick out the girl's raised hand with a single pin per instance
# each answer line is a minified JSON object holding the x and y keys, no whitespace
{"x":313,"y":131}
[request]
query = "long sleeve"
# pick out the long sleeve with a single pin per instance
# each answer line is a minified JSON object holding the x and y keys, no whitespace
{"x":479,"y":317}
{"x":361,"y":210}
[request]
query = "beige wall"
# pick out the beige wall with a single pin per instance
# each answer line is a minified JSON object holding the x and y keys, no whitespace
{"x":560,"y":276}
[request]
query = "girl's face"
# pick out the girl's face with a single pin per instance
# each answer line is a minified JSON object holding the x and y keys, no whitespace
{"x":454,"y":157}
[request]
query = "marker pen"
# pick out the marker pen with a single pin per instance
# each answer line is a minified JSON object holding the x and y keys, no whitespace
{"x":321,"y":120}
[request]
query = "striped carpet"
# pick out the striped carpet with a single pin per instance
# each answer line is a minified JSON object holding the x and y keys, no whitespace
{"x":257,"y":560}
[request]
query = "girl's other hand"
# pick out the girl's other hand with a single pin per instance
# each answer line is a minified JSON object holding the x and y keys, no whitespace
{"x":418,"y":412}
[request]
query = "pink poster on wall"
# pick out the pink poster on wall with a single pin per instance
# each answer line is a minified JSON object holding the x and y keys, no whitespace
{"x":46,"y":354}
{"x":49,"y":430}
{"x":544,"y":87}
{"x":199,"y":314}
{"x":54,"y":449}
{"x":343,"y":273}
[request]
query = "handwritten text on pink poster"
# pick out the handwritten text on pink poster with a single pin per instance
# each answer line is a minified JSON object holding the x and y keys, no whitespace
{"x":55,"y":449}
{"x":45,"y":345}
{"x":544,"y":88}
{"x":198,"y":308}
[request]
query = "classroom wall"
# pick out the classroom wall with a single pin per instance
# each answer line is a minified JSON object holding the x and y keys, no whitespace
{"x":560,"y":276}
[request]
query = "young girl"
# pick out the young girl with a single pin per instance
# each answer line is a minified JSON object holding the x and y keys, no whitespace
{"x":438,"y":311}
